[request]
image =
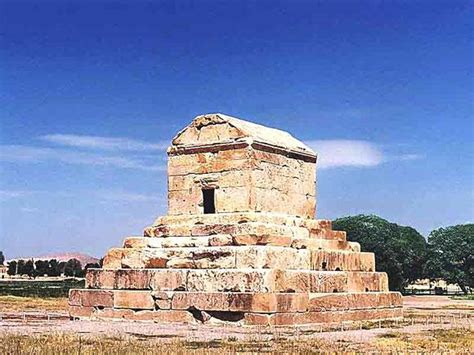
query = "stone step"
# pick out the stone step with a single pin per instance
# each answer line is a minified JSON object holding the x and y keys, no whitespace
{"x":229,"y":257}
{"x":248,"y":319}
{"x":342,"y":260}
{"x":242,"y":217}
{"x":246,"y":230}
{"x":237,"y":280}
{"x":323,"y":318}
{"x":227,"y":239}
{"x":257,"y":302}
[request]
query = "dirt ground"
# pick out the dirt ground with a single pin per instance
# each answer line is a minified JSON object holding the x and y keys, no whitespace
{"x":423,"y":314}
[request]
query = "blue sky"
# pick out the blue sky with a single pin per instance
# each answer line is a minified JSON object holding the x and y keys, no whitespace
{"x":91,"y":93}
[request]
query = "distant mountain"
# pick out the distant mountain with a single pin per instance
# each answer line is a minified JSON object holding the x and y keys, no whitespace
{"x":83,"y":258}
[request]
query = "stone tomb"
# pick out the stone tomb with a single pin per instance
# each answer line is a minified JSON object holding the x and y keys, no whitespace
{"x":239,"y":243}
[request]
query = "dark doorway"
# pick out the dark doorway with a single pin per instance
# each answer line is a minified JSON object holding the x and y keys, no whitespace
{"x":208,"y":198}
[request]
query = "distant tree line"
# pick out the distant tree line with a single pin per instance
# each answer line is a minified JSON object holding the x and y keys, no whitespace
{"x":52,"y":268}
{"x":406,"y":256}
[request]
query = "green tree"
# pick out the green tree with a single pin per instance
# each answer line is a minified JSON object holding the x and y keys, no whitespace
{"x":92,"y":266}
{"x":451,"y":255}
{"x":2,"y":258}
{"x":53,"y":268}
{"x":12,"y":268}
{"x":20,"y":266}
{"x":41,"y":267}
{"x":62,"y":267}
{"x":29,"y":268}
{"x":399,"y":251}
{"x":73,"y":268}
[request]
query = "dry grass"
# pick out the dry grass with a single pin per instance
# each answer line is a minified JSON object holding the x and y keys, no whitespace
{"x":455,"y":340}
{"x":75,"y":344}
{"x":441,"y":340}
{"x":28,"y":304}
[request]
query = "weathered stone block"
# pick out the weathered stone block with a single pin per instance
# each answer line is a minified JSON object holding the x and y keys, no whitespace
{"x":133,"y":299}
{"x":341,"y":261}
{"x":220,"y":240}
{"x":135,"y":242}
{"x":291,"y":280}
{"x":81,"y":312}
{"x":113,"y":259}
{"x":230,"y":281}
{"x":168,"y":280}
{"x":241,"y":302}
{"x":328,"y":281}
{"x":129,"y":279}
{"x":91,"y":298}
{"x":100,"y":278}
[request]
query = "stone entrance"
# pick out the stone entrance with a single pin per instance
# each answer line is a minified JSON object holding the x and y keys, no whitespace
{"x":239,"y":242}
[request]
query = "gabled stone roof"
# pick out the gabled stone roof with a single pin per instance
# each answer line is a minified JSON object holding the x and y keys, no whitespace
{"x":217,"y":128}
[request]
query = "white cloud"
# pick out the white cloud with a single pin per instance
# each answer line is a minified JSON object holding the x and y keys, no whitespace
{"x":121,"y":196}
{"x":103,"y":143}
{"x":28,"y":209}
{"x":340,"y":153}
{"x":6,"y":194}
{"x":19,"y":153}
{"x":353,"y":153}
{"x":407,"y":157}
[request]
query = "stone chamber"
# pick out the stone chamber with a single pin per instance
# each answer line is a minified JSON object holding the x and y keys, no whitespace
{"x":239,"y":243}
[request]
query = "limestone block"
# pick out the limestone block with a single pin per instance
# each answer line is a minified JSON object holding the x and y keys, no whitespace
{"x":328,"y":302}
{"x":100,"y":278}
{"x":179,"y":230}
{"x":367,"y":281}
{"x":75,"y":297}
{"x":133,"y":299}
{"x":269,"y":302}
{"x":168,"y":280}
{"x":91,"y":298}
{"x":342,"y":260}
{"x":157,"y":231}
{"x":291,"y":281}
{"x":130,"y":279}
{"x":133,"y":258}
{"x":174,"y":242}
{"x":317,"y":224}
{"x":214,"y":258}
{"x":352,"y":301}
{"x":167,"y":257}
{"x":162,"y":316}
{"x":300,"y":232}
{"x":113,"y":259}
{"x":270,"y":257}
{"x":241,"y":302}
{"x":324,"y":244}
{"x":155,"y":242}
{"x":328,"y":281}
{"x":327,"y":234}
{"x":162,"y":299}
{"x":135,"y":242}
{"x":262,"y":240}
{"x":391,"y":299}
{"x":229,"y":281}
{"x":113,"y":313}
{"x":80,"y":312}
{"x":320,"y":317}
{"x":212,"y":229}
{"x":232,"y":199}
{"x":234,"y":218}
{"x":220,"y":240}
{"x":286,"y":258}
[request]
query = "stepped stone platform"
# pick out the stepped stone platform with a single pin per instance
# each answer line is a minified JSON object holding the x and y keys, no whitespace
{"x":239,"y":243}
